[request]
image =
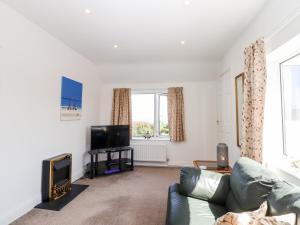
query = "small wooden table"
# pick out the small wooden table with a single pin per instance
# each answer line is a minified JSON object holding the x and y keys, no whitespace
{"x":212,"y":166}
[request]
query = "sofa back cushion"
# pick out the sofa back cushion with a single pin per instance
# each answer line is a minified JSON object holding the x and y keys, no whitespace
{"x":204,"y":185}
{"x":284,"y":198}
{"x":232,"y":205}
{"x":250,"y":185}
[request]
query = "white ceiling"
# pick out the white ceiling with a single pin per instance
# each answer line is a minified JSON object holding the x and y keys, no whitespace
{"x":144,"y":30}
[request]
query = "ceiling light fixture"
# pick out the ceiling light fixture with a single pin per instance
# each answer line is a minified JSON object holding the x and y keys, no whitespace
{"x":116,"y":46}
{"x":186,"y":2}
{"x":182,"y":42}
{"x":87,"y":11}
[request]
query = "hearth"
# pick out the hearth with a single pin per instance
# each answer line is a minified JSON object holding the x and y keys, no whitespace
{"x":56,"y":177}
{"x":57,"y":190}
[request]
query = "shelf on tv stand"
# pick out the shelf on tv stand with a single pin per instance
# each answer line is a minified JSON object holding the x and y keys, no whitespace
{"x":94,"y":164}
{"x":106,"y":150}
{"x":102,"y":167}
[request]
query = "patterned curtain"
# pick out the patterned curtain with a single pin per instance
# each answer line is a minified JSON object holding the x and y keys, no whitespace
{"x":121,"y":107}
{"x":254,"y":99}
{"x":176,"y":114}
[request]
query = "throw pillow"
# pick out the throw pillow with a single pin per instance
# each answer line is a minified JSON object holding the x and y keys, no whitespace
{"x":287,"y":219}
{"x":244,"y":218}
{"x":257,"y":217}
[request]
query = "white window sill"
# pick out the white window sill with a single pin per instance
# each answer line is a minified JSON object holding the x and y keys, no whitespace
{"x":288,"y":175}
{"x":285,"y":165}
{"x":151,"y":139}
{"x":292,"y":171}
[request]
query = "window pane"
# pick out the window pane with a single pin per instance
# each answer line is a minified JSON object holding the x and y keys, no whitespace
{"x":290,"y":75}
{"x":142,"y":114}
{"x":163,"y":115}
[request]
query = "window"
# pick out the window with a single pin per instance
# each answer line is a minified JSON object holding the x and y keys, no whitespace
{"x":150,"y":114}
{"x":290,"y":93}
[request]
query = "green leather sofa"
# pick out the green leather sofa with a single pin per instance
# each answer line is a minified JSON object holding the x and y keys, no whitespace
{"x":202,"y":196}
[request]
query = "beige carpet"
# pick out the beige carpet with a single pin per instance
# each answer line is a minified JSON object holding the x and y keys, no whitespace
{"x":130,"y":198}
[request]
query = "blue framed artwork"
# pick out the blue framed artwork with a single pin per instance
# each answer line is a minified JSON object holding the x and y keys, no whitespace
{"x":71,"y":99}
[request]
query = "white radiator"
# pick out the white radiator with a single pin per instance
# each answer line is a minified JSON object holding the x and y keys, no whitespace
{"x":150,"y":153}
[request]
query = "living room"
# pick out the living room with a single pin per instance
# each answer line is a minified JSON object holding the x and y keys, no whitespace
{"x":196,"y":50}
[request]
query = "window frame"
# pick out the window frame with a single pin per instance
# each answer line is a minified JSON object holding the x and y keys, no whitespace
{"x":283,"y":110}
{"x":157,"y":93}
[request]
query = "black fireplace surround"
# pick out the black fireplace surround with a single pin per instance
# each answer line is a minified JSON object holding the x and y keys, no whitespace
{"x":57,"y":189}
{"x":56,"y":177}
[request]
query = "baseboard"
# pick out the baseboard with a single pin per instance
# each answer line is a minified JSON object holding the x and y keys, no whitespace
{"x":180,"y":164}
{"x":77,"y":175}
{"x":164,"y":164}
{"x":23,"y":208}
{"x":154,"y":164}
{"x":14,"y":213}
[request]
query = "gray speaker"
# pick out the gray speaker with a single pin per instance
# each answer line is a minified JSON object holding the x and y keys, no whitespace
{"x":222,"y":155}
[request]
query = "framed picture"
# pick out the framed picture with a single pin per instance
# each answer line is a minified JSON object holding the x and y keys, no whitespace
{"x":71,"y":99}
{"x":239,"y":101}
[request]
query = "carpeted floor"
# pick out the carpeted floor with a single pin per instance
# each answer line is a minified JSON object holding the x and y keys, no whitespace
{"x":130,"y":198}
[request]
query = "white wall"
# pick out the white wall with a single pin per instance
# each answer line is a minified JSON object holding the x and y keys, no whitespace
{"x":159,"y":72}
{"x":31,"y":65}
{"x":200,"y":119}
{"x":270,"y":23}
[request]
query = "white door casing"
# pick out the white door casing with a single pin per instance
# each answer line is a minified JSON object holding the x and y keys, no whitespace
{"x":225,"y":113}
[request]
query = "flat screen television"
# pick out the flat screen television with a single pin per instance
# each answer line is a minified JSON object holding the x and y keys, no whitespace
{"x":109,"y":136}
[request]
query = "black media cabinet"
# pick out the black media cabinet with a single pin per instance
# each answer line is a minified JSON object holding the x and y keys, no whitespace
{"x":110,"y":166}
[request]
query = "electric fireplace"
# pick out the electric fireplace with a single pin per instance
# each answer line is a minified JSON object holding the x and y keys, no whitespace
{"x":56,"y":177}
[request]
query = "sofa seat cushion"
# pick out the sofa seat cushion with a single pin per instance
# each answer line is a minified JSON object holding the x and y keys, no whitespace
{"x":183,"y":210}
{"x":250,"y":184}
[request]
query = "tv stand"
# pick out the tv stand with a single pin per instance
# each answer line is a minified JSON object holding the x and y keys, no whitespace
{"x":111,"y":165}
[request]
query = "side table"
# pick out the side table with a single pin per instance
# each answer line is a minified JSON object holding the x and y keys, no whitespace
{"x":212,"y":166}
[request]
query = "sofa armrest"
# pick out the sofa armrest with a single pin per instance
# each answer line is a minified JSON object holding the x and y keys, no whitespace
{"x":178,"y":212}
{"x":203,"y":184}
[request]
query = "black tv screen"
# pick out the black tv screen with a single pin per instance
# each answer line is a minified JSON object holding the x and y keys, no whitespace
{"x":109,"y":136}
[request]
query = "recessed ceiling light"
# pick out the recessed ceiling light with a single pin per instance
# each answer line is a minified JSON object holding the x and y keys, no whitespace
{"x":87,"y":11}
{"x":187,"y":2}
{"x":182,"y":42}
{"x":116,"y":46}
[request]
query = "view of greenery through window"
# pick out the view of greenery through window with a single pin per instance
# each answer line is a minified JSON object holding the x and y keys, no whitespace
{"x":149,"y":115}
{"x":163,"y":115}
